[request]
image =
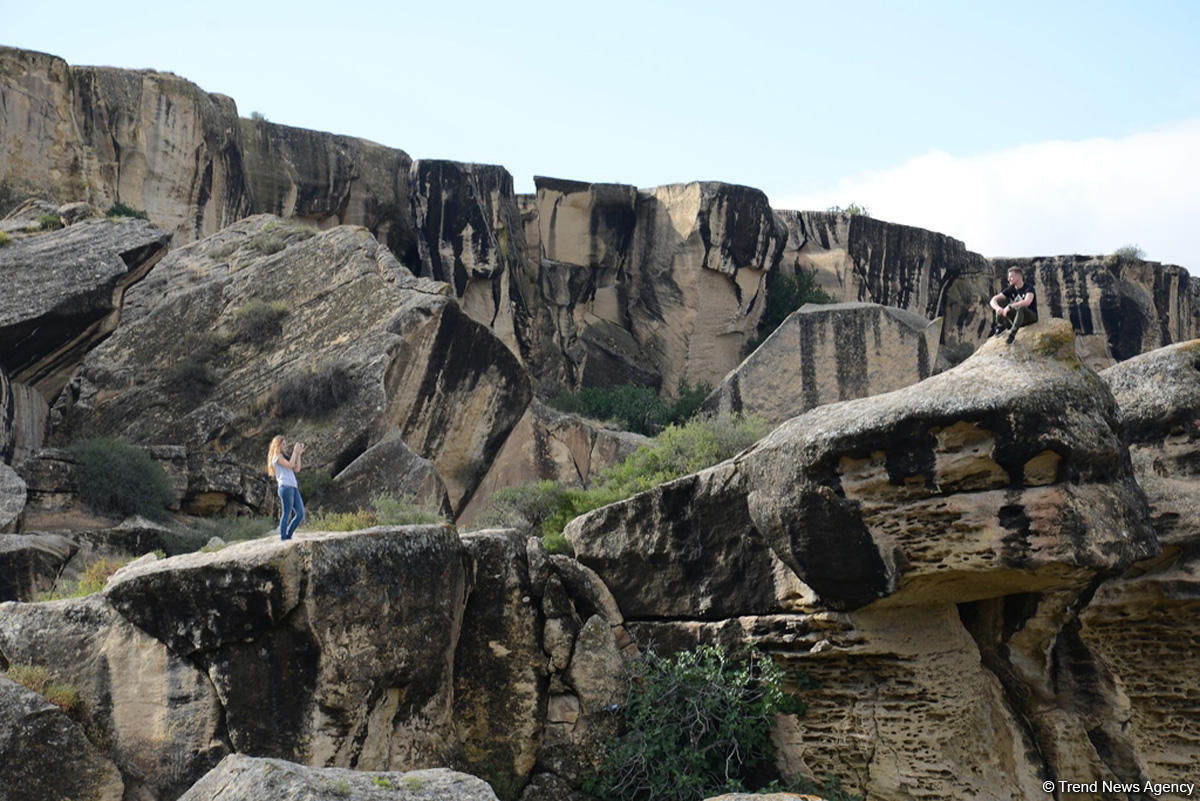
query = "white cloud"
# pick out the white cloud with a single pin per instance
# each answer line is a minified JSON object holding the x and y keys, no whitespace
{"x":1044,"y":199}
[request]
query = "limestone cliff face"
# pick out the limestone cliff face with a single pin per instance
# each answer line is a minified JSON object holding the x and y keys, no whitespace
{"x":829,"y":352}
{"x":926,"y":555}
{"x":649,"y":287}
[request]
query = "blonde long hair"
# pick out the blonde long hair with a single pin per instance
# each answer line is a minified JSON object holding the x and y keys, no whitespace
{"x":273,"y":453}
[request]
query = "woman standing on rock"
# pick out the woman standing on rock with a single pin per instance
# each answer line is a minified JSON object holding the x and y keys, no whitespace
{"x":284,"y":471}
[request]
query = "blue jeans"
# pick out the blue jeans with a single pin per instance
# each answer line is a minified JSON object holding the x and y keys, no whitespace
{"x":293,"y":512}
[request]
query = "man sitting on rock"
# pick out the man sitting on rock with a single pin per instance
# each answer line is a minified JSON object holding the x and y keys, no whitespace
{"x":1020,"y":304}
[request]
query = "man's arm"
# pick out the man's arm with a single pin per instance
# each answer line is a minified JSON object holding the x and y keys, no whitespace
{"x":995,"y":303}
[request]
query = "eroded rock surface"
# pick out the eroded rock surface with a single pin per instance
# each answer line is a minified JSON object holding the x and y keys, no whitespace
{"x":919,"y":553}
{"x":826,"y":353}
{"x":13,"y":496}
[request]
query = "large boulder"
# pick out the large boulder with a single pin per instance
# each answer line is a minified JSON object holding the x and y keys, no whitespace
{"x":157,"y":716}
{"x":826,"y":353}
{"x":64,"y":294}
{"x":45,"y":756}
{"x":244,"y":778}
{"x":323,"y":336}
{"x":290,"y":635}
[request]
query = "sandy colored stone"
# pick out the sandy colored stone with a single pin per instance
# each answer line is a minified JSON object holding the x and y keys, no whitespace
{"x":826,"y":353}
{"x":12,"y":499}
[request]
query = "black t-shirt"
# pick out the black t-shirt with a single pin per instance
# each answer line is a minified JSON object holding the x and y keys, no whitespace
{"x":1012,"y":293}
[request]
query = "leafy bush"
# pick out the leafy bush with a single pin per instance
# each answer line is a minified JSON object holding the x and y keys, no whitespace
{"x":695,"y":725}
{"x":313,"y":485}
{"x":314,"y":394}
{"x":119,"y":209}
{"x":39,"y":680}
{"x":191,"y":379}
{"x":785,"y":294}
{"x":853,"y":209}
{"x":49,"y":222}
{"x":634,"y":408}
{"x":116,"y":477}
{"x":257,"y":321}
{"x":1128,"y":253}
{"x":547,"y":506}
{"x":5,"y":239}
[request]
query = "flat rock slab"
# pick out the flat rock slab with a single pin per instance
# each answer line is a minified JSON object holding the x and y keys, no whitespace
{"x":243,"y":778}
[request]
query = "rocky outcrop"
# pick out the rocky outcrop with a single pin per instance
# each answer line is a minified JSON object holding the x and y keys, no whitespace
{"x":159,"y":718}
{"x":244,"y":778}
{"x":389,"y":467}
{"x":323,"y":336}
{"x":826,"y":353}
{"x":64,"y":294}
{"x":13,"y":496}
{"x":34,"y":737}
{"x":1143,"y":625}
{"x":548,"y":444}
{"x":920,"y":554}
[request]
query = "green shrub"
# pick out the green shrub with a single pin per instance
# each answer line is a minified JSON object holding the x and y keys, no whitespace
{"x":49,"y":222}
{"x":5,"y":239}
{"x":257,"y":321}
{"x":852,"y":209}
{"x":314,"y":394}
{"x":39,"y":680}
{"x":313,"y":484}
{"x":190,"y":379}
{"x":119,"y":209}
{"x":384,"y":782}
{"x":634,"y":408}
{"x":547,"y":506}
{"x":116,"y":477}
{"x":94,"y":578}
{"x":785,"y":294}
{"x":694,"y":725}
{"x":1127,"y":253}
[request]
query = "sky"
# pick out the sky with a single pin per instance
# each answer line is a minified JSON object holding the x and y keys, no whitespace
{"x":1021,"y":128}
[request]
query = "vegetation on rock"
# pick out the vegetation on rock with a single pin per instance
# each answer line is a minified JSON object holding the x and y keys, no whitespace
{"x":853,"y":209}
{"x":634,"y":408}
{"x":49,"y":222}
{"x":547,"y":506}
{"x":118,"y":478}
{"x":5,"y":239}
{"x":386,"y":510}
{"x":258,"y":321}
{"x":39,"y":679}
{"x":94,"y":578}
{"x":119,"y":209}
{"x":694,"y":725}
{"x":315,"y":393}
{"x":785,"y":294}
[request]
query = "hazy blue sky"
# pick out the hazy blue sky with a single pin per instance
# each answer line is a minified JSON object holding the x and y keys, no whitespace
{"x":1022,"y":128}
